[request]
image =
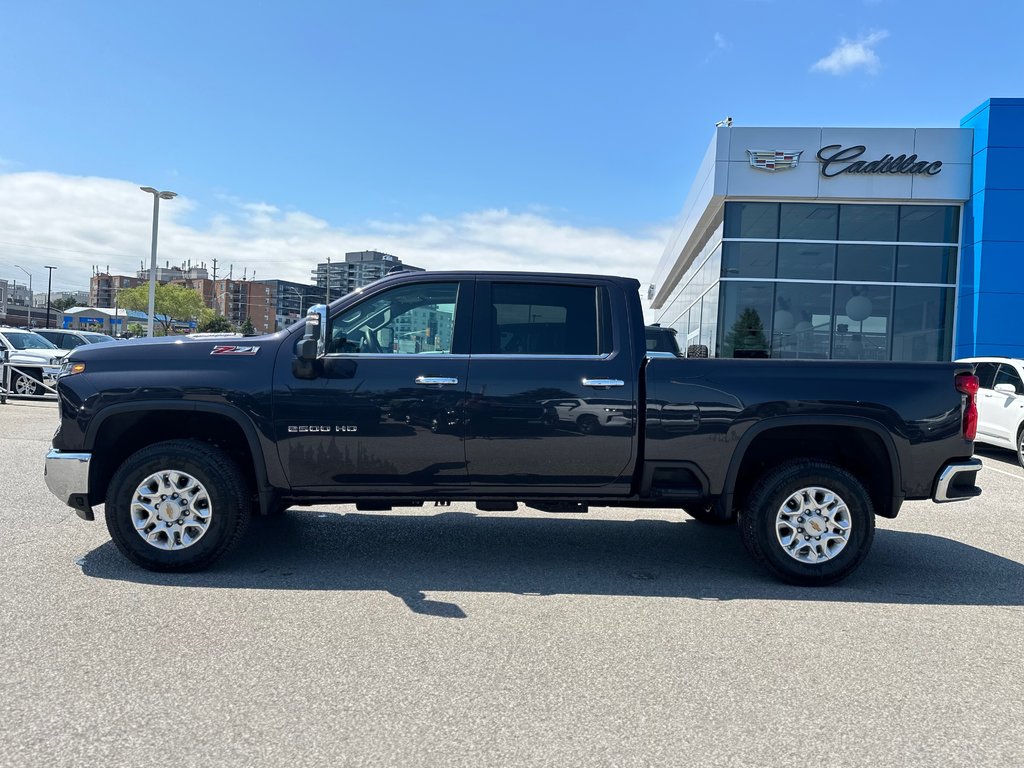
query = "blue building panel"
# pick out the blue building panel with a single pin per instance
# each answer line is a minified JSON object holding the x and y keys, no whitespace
{"x":1001,"y":273}
{"x":991,"y":288}
{"x":1006,"y":125}
{"x":998,"y":168}
{"x":1003,"y":219}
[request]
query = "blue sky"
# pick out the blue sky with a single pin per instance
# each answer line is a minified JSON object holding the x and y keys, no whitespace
{"x":369,"y":119}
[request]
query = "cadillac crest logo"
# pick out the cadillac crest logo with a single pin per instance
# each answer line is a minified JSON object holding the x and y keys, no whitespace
{"x":773,"y":159}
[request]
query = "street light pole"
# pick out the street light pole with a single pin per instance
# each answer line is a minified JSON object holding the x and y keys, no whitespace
{"x":302,"y":298}
{"x":29,"y":321}
{"x":157,"y":197}
{"x":49,"y":284}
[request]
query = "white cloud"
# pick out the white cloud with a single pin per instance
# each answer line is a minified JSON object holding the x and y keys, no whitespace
{"x":76,"y":223}
{"x":852,"y":54}
{"x":720,"y":41}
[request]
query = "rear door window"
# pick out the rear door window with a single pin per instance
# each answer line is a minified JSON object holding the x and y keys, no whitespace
{"x":1008,"y":375}
{"x":539,"y":319}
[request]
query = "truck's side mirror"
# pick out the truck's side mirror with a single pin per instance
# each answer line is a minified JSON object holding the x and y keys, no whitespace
{"x":314,"y":341}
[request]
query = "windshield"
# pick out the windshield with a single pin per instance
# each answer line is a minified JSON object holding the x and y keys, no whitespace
{"x":28,"y":341}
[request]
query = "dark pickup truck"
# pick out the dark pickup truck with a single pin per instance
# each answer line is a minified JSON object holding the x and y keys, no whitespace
{"x":503,"y":389}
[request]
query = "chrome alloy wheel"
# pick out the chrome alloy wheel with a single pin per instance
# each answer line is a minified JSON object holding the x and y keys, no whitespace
{"x":813,"y":525}
{"x":171,"y":510}
{"x":25,"y":385}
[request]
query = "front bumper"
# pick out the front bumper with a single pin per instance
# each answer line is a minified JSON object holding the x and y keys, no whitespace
{"x":67,"y":477}
{"x":958,"y":481}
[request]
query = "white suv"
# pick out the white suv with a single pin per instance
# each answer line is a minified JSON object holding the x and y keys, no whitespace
{"x":32,"y":358}
{"x":1000,"y":402}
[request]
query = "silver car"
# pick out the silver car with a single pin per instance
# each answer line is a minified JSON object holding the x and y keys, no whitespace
{"x":33,"y":360}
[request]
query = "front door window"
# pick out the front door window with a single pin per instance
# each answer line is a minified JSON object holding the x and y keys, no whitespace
{"x":409,"y":320}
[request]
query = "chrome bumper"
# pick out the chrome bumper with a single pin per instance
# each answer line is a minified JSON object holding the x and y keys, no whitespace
{"x":67,"y":477}
{"x":957,"y":481}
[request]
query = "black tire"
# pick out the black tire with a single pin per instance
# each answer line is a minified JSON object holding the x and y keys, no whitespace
{"x":26,"y":384}
{"x":588,"y":424}
{"x":758,"y":522}
{"x":709,"y":514}
{"x":229,"y":494}
{"x":1020,"y":447}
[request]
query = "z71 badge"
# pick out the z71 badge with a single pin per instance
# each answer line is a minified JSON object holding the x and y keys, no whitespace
{"x":227,"y":349}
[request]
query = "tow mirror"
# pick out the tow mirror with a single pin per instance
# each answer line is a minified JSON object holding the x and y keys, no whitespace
{"x":314,"y":341}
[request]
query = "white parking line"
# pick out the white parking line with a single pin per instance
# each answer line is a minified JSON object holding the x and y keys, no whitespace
{"x":990,"y":468}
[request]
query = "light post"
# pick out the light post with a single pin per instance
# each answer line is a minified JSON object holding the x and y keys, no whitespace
{"x":302,"y":297}
{"x":29,"y":321}
{"x":49,"y":284}
{"x":117,"y":319}
{"x":157,"y":197}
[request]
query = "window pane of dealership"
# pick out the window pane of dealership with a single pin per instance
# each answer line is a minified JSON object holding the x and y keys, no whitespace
{"x":853,"y":243}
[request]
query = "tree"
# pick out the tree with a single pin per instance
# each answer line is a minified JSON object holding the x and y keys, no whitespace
{"x":64,"y":304}
{"x":211,"y":322}
{"x":248,"y":329}
{"x":173,"y":302}
{"x":747,"y":336}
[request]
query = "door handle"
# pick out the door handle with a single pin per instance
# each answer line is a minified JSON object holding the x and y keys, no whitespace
{"x":603,"y":382}
{"x":439,"y":380}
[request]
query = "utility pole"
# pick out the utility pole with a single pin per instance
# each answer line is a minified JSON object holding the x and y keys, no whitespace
{"x":29,"y":321}
{"x":49,"y":285}
{"x":328,"y":280}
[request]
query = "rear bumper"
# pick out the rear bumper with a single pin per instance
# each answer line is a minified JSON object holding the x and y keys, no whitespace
{"x":958,"y":481}
{"x":67,"y":477}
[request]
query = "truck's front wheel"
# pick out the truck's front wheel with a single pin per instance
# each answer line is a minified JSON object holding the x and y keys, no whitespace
{"x":26,"y":384}
{"x":177,"y":505}
{"x":808,"y":522}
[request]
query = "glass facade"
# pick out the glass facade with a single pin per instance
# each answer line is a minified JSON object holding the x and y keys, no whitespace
{"x":823,"y":281}
{"x":693,"y":308}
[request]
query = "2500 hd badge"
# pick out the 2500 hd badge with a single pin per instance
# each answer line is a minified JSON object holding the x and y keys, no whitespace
{"x":322,"y":428}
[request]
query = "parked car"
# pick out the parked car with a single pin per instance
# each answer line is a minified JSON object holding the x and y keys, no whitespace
{"x":661,"y":341}
{"x":183,"y":440}
{"x":34,"y":360}
{"x":1000,"y":402}
{"x":588,"y":415}
{"x":68,"y":339}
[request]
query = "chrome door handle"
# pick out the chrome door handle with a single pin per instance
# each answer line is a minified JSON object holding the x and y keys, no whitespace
{"x":603,"y":382}
{"x":440,"y":380}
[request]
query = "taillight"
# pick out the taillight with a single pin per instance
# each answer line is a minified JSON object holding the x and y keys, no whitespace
{"x":968,"y":384}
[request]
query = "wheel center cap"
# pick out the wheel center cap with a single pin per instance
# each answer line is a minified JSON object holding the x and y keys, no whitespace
{"x":170,"y":512}
{"x":816,"y":525}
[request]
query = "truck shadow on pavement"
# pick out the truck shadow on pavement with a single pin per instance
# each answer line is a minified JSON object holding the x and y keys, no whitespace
{"x":410,"y":556}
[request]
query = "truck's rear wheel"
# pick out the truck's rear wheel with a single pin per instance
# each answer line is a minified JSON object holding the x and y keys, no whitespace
{"x":177,"y":505}
{"x":808,"y":522}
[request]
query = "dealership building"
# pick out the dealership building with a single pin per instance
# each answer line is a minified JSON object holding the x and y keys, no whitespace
{"x":853,"y":243}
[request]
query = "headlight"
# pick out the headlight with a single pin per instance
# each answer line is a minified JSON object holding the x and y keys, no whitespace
{"x":69,"y":368}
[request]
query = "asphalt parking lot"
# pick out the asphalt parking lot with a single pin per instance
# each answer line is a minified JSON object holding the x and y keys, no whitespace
{"x":450,"y":636}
